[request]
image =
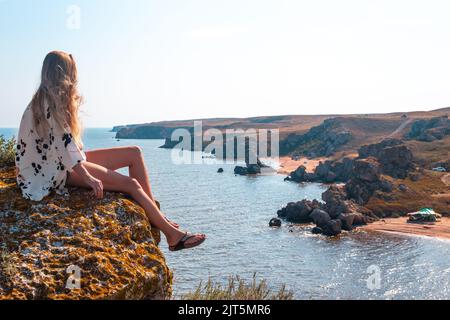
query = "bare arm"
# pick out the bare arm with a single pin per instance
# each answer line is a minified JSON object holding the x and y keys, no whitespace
{"x":94,"y":183}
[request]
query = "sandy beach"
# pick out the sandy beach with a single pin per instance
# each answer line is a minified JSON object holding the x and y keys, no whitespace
{"x":440,"y":229}
{"x":287,"y":164}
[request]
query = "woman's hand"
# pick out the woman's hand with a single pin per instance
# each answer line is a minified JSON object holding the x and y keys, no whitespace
{"x":96,"y":185}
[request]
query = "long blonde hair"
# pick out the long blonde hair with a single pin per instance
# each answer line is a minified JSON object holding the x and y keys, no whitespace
{"x":58,"y":95}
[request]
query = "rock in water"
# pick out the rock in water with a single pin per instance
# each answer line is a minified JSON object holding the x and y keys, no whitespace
{"x":240,"y":170}
{"x":316,"y":230}
{"x":109,"y":240}
{"x":299,"y":175}
{"x":347,"y":220}
{"x":335,"y":201}
{"x":332,"y":228}
{"x":320,"y":217}
{"x":253,"y":169}
{"x":298,"y":212}
{"x":360,"y":219}
{"x":275,"y":222}
{"x":248,"y":169}
{"x":220,"y":170}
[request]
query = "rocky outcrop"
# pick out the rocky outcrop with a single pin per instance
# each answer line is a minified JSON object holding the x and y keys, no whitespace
{"x":395,"y":158}
{"x":324,"y":223}
{"x":335,"y":201}
{"x":109,"y":241}
{"x":275,"y":222}
{"x":249,"y":169}
{"x":335,"y":214}
{"x":300,"y":175}
{"x":374,"y":150}
{"x":320,"y":217}
{"x":365,"y":180}
{"x":320,"y":141}
{"x":325,"y":172}
{"x":381,"y":182}
{"x":429,"y":130}
{"x":170,"y":144}
{"x":143,"y":132}
{"x":252,"y":169}
{"x":117,"y":128}
{"x":299,"y":212}
{"x":390,"y":157}
{"x":332,"y":228}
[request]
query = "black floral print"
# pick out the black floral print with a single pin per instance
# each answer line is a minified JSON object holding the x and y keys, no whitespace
{"x":67,"y":138}
{"x":43,"y":163}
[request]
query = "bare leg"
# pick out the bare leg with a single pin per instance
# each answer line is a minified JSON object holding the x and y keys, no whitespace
{"x":122,"y":157}
{"x":114,"y":181}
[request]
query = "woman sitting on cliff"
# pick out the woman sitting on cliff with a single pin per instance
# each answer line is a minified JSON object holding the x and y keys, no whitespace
{"x":50,"y":156}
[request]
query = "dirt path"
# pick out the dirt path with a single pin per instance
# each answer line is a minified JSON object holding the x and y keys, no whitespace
{"x":440,"y":229}
{"x":400,"y":128}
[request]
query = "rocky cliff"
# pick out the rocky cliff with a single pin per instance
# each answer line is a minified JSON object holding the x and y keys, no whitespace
{"x":322,"y":140}
{"x":392,"y":156}
{"x":107,"y":244}
{"x":382,"y":182}
{"x":143,"y":132}
{"x":429,"y":130}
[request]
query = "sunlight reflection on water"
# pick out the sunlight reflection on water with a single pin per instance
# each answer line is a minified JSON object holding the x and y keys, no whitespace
{"x":234,"y":212}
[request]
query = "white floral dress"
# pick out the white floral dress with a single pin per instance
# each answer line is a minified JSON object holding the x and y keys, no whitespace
{"x":44,"y":162}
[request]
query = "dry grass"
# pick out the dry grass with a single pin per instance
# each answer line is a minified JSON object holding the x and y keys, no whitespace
{"x":7,"y":151}
{"x":427,"y":153}
{"x":428,"y":191}
{"x":238,"y":289}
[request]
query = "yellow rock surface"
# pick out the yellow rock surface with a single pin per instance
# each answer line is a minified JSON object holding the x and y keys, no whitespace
{"x":109,"y":241}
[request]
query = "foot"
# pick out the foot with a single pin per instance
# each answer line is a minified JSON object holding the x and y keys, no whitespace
{"x":187,"y":241}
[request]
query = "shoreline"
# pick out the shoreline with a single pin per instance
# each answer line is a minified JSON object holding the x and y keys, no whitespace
{"x":440,"y":229}
{"x":287,"y":164}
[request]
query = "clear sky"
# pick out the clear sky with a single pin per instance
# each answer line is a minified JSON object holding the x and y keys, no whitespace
{"x":143,"y":61}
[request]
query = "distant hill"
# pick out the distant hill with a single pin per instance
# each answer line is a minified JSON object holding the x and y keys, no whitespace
{"x":316,"y":135}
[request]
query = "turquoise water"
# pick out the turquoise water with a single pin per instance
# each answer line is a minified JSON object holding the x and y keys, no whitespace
{"x":234,"y":212}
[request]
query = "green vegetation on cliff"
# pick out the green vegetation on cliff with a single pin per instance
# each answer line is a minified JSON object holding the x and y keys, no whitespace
{"x":7,"y":151}
{"x":238,"y":289}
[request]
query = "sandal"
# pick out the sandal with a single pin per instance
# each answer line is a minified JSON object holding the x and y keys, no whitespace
{"x":181,"y":245}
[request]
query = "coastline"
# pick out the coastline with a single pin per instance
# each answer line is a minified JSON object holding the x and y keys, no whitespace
{"x":440,"y":229}
{"x":287,"y":164}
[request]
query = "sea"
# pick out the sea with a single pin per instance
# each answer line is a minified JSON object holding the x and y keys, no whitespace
{"x":234,"y":212}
